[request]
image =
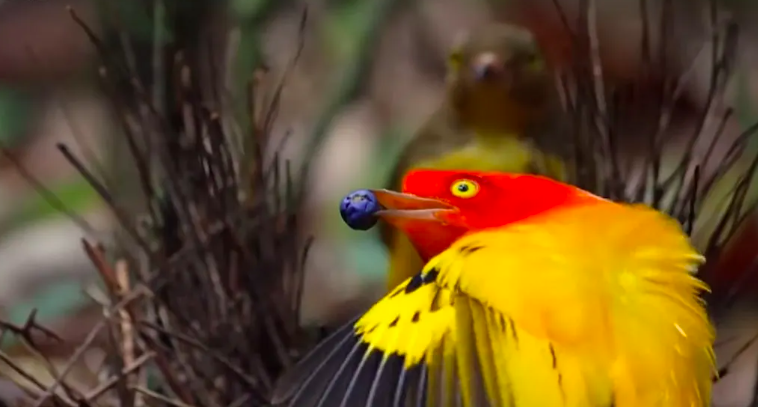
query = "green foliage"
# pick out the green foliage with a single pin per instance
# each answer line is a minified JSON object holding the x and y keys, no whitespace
{"x":76,"y":194}
{"x":368,"y":257}
{"x":14,"y":116}
{"x":140,"y":23}
{"x":247,"y":8}
{"x":51,"y":302}
{"x":343,"y":27}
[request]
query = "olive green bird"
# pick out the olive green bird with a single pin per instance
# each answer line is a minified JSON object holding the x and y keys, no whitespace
{"x":500,"y":106}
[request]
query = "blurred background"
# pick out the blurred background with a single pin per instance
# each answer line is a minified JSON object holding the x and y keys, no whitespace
{"x":371,"y":72}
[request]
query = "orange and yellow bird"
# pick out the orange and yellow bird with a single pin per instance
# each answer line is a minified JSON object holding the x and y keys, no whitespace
{"x":535,"y":294}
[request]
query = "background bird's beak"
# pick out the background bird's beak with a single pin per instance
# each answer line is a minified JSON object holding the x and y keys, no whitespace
{"x":398,"y":207}
{"x":487,"y":66}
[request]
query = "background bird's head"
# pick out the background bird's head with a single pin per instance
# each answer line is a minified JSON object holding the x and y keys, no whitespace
{"x":437,"y":207}
{"x":498,"y":77}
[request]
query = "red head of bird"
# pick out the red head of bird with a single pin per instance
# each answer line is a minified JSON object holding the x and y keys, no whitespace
{"x":436,"y":207}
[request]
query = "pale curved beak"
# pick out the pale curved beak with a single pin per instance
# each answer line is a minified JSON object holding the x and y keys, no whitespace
{"x":487,"y":66}
{"x":398,"y":207}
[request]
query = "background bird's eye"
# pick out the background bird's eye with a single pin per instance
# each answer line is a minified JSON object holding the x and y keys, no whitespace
{"x":455,"y":59}
{"x":464,"y":188}
{"x":533,"y":60}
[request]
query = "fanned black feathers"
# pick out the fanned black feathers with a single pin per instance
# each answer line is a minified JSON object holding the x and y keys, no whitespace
{"x":365,"y":362}
{"x":343,"y":371}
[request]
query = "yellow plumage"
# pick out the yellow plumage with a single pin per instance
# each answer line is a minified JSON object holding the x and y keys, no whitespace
{"x":589,"y":306}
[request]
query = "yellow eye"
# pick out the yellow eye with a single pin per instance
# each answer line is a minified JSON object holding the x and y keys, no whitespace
{"x":464,"y":188}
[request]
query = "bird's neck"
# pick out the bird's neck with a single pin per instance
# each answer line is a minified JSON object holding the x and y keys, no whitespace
{"x":488,"y":138}
{"x":494,"y":122}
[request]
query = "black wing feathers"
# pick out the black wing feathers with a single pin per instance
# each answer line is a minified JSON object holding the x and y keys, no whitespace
{"x":326,"y":357}
{"x":343,"y":372}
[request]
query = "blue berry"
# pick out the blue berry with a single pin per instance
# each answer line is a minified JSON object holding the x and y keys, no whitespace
{"x":358,"y":209}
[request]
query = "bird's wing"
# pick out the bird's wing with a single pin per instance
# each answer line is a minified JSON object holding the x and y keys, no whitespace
{"x":595,"y":306}
{"x":387,"y":357}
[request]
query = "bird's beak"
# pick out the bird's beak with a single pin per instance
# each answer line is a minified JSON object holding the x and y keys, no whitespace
{"x":399,"y":208}
{"x":487,"y":66}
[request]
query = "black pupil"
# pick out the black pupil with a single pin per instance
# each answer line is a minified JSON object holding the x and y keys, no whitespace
{"x":462,"y":187}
